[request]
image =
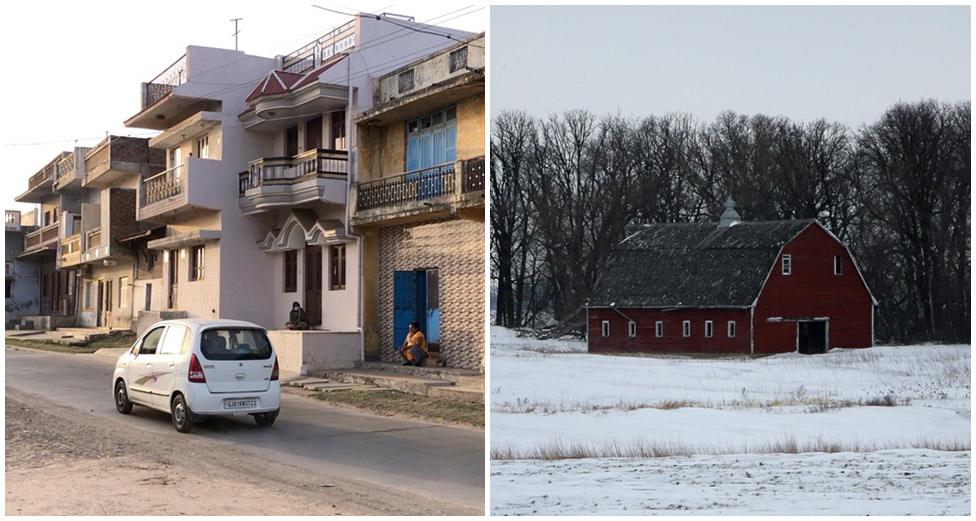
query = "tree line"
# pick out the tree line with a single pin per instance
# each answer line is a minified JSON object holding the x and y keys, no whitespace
{"x":896,"y":191}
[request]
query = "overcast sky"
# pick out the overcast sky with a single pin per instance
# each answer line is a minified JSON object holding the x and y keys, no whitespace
{"x":846,"y":64}
{"x":73,"y":69}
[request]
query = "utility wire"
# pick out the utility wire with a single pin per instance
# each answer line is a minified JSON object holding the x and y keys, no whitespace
{"x":234,"y":86}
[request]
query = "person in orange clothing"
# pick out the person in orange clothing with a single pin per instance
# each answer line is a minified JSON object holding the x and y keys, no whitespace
{"x":414,"y":348}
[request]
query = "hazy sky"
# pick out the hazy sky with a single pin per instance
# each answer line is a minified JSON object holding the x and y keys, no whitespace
{"x":73,"y":69}
{"x":846,"y":64}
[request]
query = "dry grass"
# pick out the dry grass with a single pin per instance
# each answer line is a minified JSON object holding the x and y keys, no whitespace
{"x":390,"y":403}
{"x":560,"y":450}
{"x":812,"y":404}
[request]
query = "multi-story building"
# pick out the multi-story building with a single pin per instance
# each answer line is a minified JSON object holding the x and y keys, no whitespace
{"x":280,"y":130}
{"x":108,"y":284}
{"x":86,"y":201}
{"x":56,"y":188}
{"x":239,"y":206}
{"x":419,"y":204}
{"x":22,"y":291}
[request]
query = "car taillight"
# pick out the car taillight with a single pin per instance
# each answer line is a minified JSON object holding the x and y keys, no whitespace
{"x":274,"y":372}
{"x":196,"y":371}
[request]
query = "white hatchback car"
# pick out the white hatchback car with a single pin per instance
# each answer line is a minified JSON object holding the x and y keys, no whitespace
{"x":198,"y":368}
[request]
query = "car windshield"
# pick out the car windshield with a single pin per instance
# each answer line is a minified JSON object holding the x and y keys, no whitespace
{"x":235,"y":344}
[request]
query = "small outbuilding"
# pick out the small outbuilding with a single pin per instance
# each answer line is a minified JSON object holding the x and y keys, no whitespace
{"x":732,"y":287}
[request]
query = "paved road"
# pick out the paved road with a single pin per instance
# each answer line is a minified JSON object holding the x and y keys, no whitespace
{"x":444,"y":463}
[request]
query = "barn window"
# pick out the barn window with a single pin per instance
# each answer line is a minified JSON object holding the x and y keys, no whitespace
{"x":631,"y":329}
{"x":659,"y":329}
{"x":838,"y":265}
{"x":686,"y":328}
{"x":731,"y":328}
{"x":708,"y":329}
{"x":787,"y":265}
{"x":605,"y":328}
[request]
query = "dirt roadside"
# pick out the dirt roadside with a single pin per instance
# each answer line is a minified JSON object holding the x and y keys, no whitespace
{"x":60,"y":461}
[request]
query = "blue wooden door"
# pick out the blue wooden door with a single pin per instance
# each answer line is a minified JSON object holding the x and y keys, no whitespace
{"x":404,"y":302}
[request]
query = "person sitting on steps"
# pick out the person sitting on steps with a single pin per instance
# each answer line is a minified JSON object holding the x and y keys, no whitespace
{"x":414,"y":348}
{"x":296,"y":317}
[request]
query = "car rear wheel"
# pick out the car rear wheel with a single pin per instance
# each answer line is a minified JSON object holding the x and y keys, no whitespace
{"x":122,"y":403}
{"x":266,"y":419}
{"x":181,"y":414}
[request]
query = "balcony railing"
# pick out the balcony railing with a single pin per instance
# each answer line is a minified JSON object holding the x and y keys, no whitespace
{"x":157,"y":88}
{"x":163,"y":185}
{"x":71,"y":244}
{"x":94,"y":238}
{"x":417,"y":185}
{"x":65,"y":166}
{"x":284,"y":170}
{"x":473,"y":175}
{"x":40,"y":237}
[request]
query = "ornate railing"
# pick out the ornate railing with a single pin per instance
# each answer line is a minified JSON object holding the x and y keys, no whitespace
{"x":40,"y":237}
{"x":64,"y":167}
{"x":417,"y":185}
{"x":283,"y":170}
{"x":473,"y":175}
{"x":157,"y":88}
{"x":163,"y":185}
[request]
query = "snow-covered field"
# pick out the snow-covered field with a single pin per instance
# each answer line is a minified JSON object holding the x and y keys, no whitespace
{"x":550,"y":399}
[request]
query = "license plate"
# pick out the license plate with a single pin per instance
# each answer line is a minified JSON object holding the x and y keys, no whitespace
{"x":240,"y":404}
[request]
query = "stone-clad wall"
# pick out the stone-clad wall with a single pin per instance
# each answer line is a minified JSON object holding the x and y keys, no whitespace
{"x":456,"y":247}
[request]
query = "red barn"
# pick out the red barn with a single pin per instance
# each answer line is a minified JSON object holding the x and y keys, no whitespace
{"x":735,"y":287}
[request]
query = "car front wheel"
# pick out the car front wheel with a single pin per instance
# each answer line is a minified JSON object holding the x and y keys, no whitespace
{"x":122,"y":403}
{"x":266,"y":419}
{"x":181,"y":414}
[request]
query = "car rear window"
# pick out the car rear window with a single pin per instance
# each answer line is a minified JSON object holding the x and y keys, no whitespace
{"x":235,"y":344}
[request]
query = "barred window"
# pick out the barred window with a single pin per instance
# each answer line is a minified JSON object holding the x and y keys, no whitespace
{"x":196,"y":263}
{"x":459,"y":59}
{"x":291,"y":271}
{"x":337,"y":265}
{"x":406,"y":81}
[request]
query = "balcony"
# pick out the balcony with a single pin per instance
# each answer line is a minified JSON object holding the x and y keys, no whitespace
{"x":70,"y":251}
{"x":96,"y":249}
{"x":70,"y":169}
{"x":119,"y":157}
{"x":194,"y":185}
{"x":41,"y":185}
{"x":317,"y":175}
{"x":422,"y":193}
{"x":166,"y":100}
{"x":160,"y":86}
{"x":40,"y":241}
{"x":429,"y":83}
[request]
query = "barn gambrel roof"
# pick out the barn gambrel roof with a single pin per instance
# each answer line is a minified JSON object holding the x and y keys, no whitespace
{"x":698,"y":265}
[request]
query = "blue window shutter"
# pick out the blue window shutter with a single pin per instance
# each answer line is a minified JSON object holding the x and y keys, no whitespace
{"x":450,"y":153}
{"x":413,"y":153}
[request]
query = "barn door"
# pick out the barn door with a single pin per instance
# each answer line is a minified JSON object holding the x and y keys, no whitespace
{"x":811,"y":337}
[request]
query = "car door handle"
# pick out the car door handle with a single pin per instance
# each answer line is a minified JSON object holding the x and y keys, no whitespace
{"x":239,"y":375}
{"x":148,"y":364}
{"x":172,"y":365}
